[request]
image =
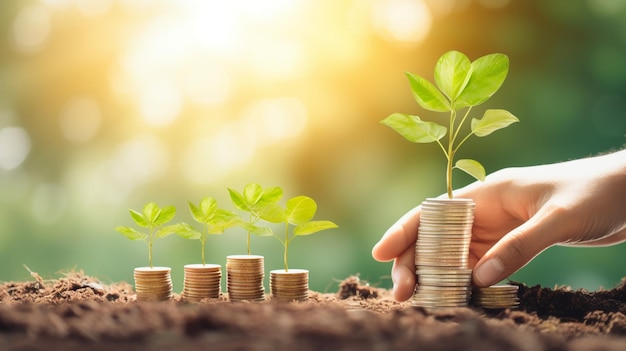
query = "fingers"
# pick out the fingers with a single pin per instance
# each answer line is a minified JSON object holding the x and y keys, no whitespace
{"x":520,"y":246}
{"x":403,"y":275}
{"x":400,"y":236}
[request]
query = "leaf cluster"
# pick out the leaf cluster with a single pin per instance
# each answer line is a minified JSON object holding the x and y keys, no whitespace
{"x":261,"y":204}
{"x":154,"y":219}
{"x":255,"y":200}
{"x":460,"y":84}
{"x":298,"y":212}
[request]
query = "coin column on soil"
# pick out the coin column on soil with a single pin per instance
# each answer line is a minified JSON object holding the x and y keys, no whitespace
{"x":153,"y":284}
{"x":441,"y":253}
{"x":291,"y":285}
{"x":245,"y":274}
{"x":202,"y":281}
{"x":496,"y":297}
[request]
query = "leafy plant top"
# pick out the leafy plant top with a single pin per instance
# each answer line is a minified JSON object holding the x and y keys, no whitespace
{"x":298,"y":212}
{"x":460,"y":84}
{"x":255,"y":200}
{"x":215,"y":220}
{"x":154,"y":219}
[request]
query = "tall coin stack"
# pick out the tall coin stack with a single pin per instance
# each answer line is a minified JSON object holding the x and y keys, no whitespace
{"x":202,"y":281}
{"x":292,"y":285}
{"x":441,"y":253}
{"x":245,"y":275}
{"x":153,"y":284}
{"x":496,"y":297}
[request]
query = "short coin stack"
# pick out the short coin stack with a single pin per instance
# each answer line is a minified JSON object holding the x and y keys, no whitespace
{"x":202,"y":281}
{"x":441,"y":253}
{"x":496,"y":297}
{"x":291,"y":285}
{"x":245,"y":275}
{"x":153,"y":283}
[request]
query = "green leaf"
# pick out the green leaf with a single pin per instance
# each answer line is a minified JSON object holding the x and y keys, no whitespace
{"x":452,"y":72}
{"x":167,"y":230}
{"x":256,"y":230}
{"x":151,"y":212}
{"x":313,"y":227}
{"x":166,"y":214}
{"x":471,"y":167}
{"x":427,"y":95}
{"x":300,"y":209}
{"x":273,"y":213}
{"x":196,"y":213}
{"x":186,"y":231}
{"x":238,"y":200}
{"x":492,"y":120}
{"x":271,"y":195}
{"x":252,"y":193}
{"x":208,"y":206}
{"x":131,"y":233}
{"x":487,"y":75}
{"x":139,"y":219}
{"x":413,"y":129}
{"x":223,"y":220}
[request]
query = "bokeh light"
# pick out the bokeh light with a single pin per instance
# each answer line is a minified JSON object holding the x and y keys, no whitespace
{"x":108,"y":104}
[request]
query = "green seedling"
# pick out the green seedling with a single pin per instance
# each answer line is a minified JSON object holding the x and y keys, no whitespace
{"x":153,"y":219}
{"x":461,"y":84}
{"x":299,"y":212}
{"x":215,"y":220}
{"x":255,"y":200}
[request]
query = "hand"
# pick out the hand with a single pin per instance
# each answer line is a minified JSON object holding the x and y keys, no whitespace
{"x":519,"y":213}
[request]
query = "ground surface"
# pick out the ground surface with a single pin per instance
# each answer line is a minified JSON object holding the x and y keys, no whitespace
{"x":77,"y":312}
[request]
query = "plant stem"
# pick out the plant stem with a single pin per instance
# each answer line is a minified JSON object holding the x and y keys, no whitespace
{"x":450,"y":154}
{"x":248,"y":241}
{"x":202,"y":241}
{"x":286,"y":246}
{"x":150,"y":246}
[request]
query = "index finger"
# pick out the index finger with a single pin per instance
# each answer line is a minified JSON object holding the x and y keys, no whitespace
{"x":398,"y":237}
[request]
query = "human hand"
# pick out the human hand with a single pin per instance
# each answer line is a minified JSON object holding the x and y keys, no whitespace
{"x":519,"y":213}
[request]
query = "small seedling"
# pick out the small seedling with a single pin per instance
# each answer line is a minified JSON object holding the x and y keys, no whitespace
{"x":299,"y":212}
{"x":154,"y":219}
{"x":255,"y":200}
{"x":215,"y":220}
{"x":460,"y":84}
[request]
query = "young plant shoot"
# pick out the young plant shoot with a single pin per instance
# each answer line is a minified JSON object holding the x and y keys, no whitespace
{"x":254,"y":201}
{"x":153,"y":219}
{"x":461,"y":84}
{"x":299,"y":212}
{"x":215,"y":220}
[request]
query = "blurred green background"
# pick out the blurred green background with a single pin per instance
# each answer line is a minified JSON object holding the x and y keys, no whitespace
{"x":108,"y":104}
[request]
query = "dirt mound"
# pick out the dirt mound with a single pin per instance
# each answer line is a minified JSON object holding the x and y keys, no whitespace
{"x":77,"y":312}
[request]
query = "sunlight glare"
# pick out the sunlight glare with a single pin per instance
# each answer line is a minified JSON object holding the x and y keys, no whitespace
{"x":80,"y":119}
{"x":93,"y":8}
{"x":273,"y":120}
{"x":278,"y":59}
{"x":138,"y":161}
{"x":14,"y":147}
{"x":207,"y":84}
{"x":161,"y":103}
{"x":31,"y":28}
{"x":402,"y":20}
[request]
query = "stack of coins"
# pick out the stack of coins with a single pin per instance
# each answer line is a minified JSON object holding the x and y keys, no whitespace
{"x":441,"y":253}
{"x":291,"y":285}
{"x":496,"y":297}
{"x":202,"y":281}
{"x":245,"y":275}
{"x":153,"y":284}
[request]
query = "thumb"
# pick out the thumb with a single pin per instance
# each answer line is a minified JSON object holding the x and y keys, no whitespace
{"x":517,"y":248}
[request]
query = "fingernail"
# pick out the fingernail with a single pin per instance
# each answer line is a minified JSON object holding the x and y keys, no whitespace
{"x":489,"y":272}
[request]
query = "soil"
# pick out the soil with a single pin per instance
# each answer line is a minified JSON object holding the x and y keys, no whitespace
{"x":78,"y":312}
